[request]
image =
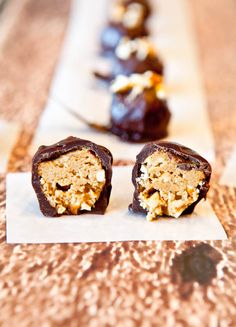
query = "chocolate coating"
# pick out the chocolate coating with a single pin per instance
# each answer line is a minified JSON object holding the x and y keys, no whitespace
{"x":47,"y":153}
{"x":144,"y":118}
{"x":145,"y":3}
{"x":134,"y":65}
{"x":112,"y":34}
{"x":194,"y":161}
{"x":131,"y":66}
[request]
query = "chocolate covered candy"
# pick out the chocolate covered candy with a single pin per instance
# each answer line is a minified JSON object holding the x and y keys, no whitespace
{"x":124,"y":21}
{"x":139,"y":111}
{"x":72,"y":177}
{"x":136,"y":56}
{"x":144,"y":3}
{"x":133,"y":56}
{"x":169,"y":180}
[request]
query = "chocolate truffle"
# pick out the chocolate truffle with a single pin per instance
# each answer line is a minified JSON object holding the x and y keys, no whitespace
{"x":124,"y":21}
{"x":133,"y":56}
{"x":72,"y":177}
{"x":169,"y":180}
{"x":139,"y":111}
{"x":144,"y":3}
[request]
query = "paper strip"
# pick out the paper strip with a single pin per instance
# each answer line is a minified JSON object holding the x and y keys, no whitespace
{"x":26,"y":224}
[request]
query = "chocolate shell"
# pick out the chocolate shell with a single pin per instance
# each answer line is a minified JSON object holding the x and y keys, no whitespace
{"x":134,"y":65}
{"x":144,"y":118}
{"x":131,"y":66}
{"x":191,"y":160}
{"x":145,"y":3}
{"x":112,"y":34}
{"x":71,"y":144}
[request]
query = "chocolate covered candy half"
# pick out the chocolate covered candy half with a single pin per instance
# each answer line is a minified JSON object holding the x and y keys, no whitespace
{"x":123,"y":21}
{"x":72,"y":177}
{"x":169,"y":180}
{"x":139,"y":111}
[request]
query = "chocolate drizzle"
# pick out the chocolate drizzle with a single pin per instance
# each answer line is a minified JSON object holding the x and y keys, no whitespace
{"x":80,"y":118}
{"x":142,"y":120}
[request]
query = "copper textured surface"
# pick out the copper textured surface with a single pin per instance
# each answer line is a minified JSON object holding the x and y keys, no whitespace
{"x":117,"y":284}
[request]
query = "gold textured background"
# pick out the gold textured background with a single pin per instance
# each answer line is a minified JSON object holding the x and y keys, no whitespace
{"x":112,"y":284}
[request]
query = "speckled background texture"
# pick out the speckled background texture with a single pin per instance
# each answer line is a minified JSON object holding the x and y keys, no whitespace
{"x":116,"y":284}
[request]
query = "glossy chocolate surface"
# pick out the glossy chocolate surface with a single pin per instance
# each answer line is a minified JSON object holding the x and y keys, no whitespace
{"x":145,"y":3}
{"x":144,"y":118}
{"x":194,"y":161}
{"x":112,"y":34}
{"x":133,"y":65}
{"x":47,"y":153}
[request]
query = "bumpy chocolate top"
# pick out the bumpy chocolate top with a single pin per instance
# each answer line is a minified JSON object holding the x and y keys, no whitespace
{"x":136,"y":56}
{"x":51,"y":152}
{"x":141,"y":47}
{"x":133,"y":56}
{"x":138,"y":112}
{"x":146,"y":5}
{"x":112,"y":34}
{"x":143,"y":119}
{"x":189,"y":157}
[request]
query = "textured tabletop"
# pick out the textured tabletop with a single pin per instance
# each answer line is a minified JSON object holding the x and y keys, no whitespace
{"x":116,"y":284}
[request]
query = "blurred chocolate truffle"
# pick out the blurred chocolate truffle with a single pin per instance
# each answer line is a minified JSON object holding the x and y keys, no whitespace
{"x":145,"y":3}
{"x":72,"y":177}
{"x":139,"y":111}
{"x":123,"y":21}
{"x":169,"y":180}
{"x":133,"y":56}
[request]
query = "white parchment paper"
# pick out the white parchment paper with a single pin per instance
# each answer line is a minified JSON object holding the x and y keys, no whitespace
{"x":8,"y":134}
{"x":26,"y":224}
{"x":228,"y":177}
{"x":172,"y":33}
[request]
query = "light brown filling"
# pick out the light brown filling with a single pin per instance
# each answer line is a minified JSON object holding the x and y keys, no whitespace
{"x":165,"y":189}
{"x":73,"y":181}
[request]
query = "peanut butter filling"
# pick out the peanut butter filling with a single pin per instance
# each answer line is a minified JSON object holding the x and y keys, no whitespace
{"x":72,"y":182}
{"x":165,"y":189}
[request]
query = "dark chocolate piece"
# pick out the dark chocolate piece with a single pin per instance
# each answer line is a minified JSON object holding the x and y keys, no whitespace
{"x":133,"y":56}
{"x":171,"y":171}
{"x":134,"y":65}
{"x":144,"y":119}
{"x":124,"y":20}
{"x":113,"y":33}
{"x":80,"y":167}
{"x":145,"y":4}
{"x":139,"y":118}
